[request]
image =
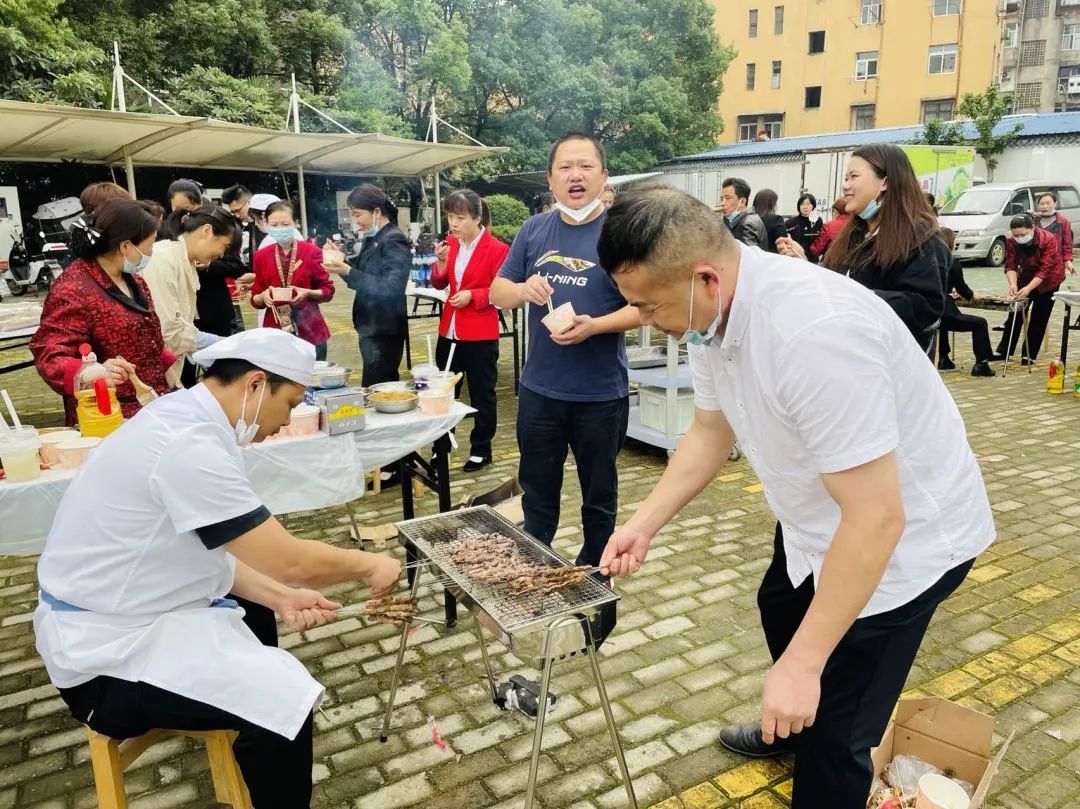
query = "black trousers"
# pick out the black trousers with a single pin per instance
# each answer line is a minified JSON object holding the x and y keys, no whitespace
{"x":980,"y":335}
{"x":860,"y":685}
{"x":479,"y":361}
{"x":382,"y":358}
{"x":594,"y":431}
{"x":1041,"y":306}
{"x":277,"y":770}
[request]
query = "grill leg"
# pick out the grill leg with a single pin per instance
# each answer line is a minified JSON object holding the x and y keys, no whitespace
{"x":541,"y":716}
{"x":487,"y":660}
{"x":601,"y":691}
{"x":396,"y":676}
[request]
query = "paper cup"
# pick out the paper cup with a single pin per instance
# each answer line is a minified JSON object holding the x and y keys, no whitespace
{"x":938,"y":792}
{"x":305,"y":420}
{"x":331,"y":256}
{"x":560,"y":319}
{"x":435,"y":402}
{"x":422,"y":373}
{"x":282,"y":294}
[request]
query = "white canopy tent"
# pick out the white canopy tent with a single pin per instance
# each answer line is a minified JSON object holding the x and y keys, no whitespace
{"x":45,"y":133}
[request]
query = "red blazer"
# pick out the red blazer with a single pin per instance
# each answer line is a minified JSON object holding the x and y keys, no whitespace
{"x":1042,"y":259}
{"x":85,"y":306}
{"x":310,"y":324}
{"x":479,"y":320}
{"x":829,"y":231}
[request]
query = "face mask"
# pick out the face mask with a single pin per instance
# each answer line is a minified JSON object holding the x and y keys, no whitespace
{"x":245,"y":433}
{"x":694,"y":337}
{"x":579,"y":215}
{"x":375,"y":227}
{"x":731,"y":217}
{"x":281,"y":235}
{"x":135,"y":269}
{"x":870,"y":211}
{"x":1024,"y":239}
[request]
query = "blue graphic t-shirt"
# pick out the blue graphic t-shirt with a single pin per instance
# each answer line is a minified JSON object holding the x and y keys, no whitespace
{"x":592,"y":371}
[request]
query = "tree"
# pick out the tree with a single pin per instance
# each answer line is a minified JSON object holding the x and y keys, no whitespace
{"x":986,"y":109}
{"x":942,"y":133}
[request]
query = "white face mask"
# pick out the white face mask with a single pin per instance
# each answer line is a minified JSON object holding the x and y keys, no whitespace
{"x":1024,"y":239}
{"x":579,"y":215}
{"x":691,"y":335}
{"x":246,"y":433}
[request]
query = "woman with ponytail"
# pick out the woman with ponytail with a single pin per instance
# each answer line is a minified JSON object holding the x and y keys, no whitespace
{"x":193,"y":238}
{"x":101,"y":300}
{"x":378,"y":276}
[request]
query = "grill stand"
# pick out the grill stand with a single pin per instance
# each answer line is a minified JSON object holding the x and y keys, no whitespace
{"x":545,"y":688}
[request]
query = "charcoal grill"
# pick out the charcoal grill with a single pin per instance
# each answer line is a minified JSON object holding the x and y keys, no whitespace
{"x":538,"y":628}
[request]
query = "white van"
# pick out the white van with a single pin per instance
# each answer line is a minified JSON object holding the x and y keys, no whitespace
{"x":980,"y":216}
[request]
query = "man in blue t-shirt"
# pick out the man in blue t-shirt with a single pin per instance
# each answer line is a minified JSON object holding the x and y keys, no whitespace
{"x":574,"y":389}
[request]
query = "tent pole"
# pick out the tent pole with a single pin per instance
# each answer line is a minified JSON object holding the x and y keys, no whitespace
{"x":118,"y":87}
{"x":294,"y":107}
{"x":438,"y":190}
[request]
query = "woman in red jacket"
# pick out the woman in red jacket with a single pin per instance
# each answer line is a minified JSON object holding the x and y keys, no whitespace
{"x":1034,"y":269}
{"x":101,"y":300}
{"x":292,"y":264}
{"x":467,"y":263}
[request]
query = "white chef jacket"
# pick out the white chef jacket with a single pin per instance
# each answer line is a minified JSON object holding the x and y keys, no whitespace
{"x":816,"y":374}
{"x":464,"y":256}
{"x":123,"y":547}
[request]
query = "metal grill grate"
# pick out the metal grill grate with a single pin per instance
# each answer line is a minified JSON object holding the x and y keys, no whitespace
{"x":435,"y":537}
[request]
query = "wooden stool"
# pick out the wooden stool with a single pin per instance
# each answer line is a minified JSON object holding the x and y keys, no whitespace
{"x":110,"y":758}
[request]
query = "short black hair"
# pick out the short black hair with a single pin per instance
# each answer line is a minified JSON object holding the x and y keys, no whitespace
{"x":1023,"y":220}
{"x":189,"y":188}
{"x":234,"y":193}
{"x":577,"y":136}
{"x":281,"y":205}
{"x":742,"y":188}
{"x":546,"y":199}
{"x":227,"y":371}
{"x":1052,"y":194}
{"x":803,"y":198}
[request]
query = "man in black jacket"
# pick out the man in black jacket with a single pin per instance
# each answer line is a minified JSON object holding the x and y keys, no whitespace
{"x":744,"y":224}
{"x":213,"y":301}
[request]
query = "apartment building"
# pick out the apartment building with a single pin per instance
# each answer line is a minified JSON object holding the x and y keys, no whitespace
{"x":810,"y":66}
{"x":1040,"y":56}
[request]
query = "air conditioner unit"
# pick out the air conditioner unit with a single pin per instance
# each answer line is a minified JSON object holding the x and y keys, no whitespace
{"x":1007,"y":82}
{"x":1010,"y":6}
{"x":1073,"y":86}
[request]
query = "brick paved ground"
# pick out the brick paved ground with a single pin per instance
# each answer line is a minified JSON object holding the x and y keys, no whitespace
{"x":688,"y":655}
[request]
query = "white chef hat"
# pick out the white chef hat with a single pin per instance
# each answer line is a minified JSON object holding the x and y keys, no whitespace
{"x":260,"y":202}
{"x":271,"y":350}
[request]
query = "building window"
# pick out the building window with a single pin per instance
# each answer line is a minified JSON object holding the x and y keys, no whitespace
{"x":1011,"y":37}
{"x":817,"y":42}
{"x":813,"y":97}
{"x":1029,"y":96}
{"x":778,"y":20}
{"x":943,"y":59}
{"x":753,"y":23}
{"x":866,"y":65}
{"x":862,"y":117}
{"x":751,"y":127}
{"x":945,"y":7}
{"x":1063,"y":4}
{"x":940,"y":109}
{"x":1032,"y":52}
{"x":776,"y":75}
{"x":1066,"y":72}
{"x":751,"y":75}
{"x":871,"y":12}
{"x":1070,"y":39}
{"x":1036,"y":8}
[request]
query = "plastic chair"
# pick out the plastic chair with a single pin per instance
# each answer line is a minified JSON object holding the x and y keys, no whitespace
{"x":111,"y":757}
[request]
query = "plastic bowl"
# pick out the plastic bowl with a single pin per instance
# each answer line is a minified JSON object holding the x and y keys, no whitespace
{"x":439,"y":381}
{"x":421,"y":374}
{"x":281,"y":294}
{"x":19,"y":453}
{"x":560,"y":319}
{"x":331,"y":256}
{"x":73,"y":453}
{"x":305,"y":420}
{"x":50,"y":453}
{"x":435,"y":402}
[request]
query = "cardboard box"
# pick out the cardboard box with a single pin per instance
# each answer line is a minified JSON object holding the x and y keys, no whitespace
{"x":342,"y":409}
{"x":949,"y":736}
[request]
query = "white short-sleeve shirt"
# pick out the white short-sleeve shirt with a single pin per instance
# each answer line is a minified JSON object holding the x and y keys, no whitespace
{"x":816,"y":374}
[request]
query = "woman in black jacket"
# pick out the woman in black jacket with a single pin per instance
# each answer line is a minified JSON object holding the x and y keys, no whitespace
{"x":891,"y":244}
{"x":378,"y":276}
{"x":805,"y":228}
{"x":956,"y":321}
{"x":765,"y":202}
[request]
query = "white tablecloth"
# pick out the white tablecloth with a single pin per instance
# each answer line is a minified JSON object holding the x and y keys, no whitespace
{"x":289,"y":474}
{"x":1068,"y":296}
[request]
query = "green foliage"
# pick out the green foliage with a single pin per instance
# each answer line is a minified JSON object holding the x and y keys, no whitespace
{"x":211,"y":93}
{"x":942,"y":133}
{"x":505,"y":233}
{"x":986,"y":109}
{"x":506,"y":211}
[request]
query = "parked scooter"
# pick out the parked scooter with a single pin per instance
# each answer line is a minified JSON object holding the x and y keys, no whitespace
{"x":38,"y":271}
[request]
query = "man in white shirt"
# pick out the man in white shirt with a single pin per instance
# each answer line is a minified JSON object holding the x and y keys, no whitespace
{"x":160,"y":525}
{"x":863,"y":458}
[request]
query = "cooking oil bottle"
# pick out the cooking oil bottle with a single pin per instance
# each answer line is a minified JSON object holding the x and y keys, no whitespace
{"x":1055,"y":379}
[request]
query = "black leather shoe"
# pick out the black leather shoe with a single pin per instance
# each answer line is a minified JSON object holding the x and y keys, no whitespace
{"x":982,"y":369}
{"x":946,"y":365}
{"x":746,"y":741}
{"x":476,"y":463}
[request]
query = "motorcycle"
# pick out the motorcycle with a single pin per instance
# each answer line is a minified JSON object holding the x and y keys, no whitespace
{"x":27,"y":271}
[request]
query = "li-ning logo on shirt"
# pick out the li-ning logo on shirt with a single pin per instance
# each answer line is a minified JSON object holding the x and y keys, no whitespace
{"x":573,"y":264}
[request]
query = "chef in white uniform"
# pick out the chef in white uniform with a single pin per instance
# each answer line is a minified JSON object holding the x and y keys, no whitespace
{"x":158,"y":527}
